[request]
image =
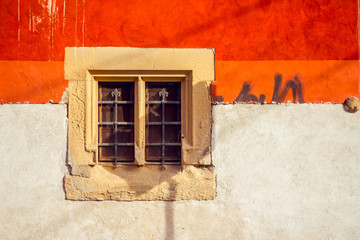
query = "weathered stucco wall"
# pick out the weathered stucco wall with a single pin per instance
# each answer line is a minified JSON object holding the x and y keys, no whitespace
{"x":283,"y":172}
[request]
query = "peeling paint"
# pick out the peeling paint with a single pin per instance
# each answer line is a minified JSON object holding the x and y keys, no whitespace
{"x":65,"y":96}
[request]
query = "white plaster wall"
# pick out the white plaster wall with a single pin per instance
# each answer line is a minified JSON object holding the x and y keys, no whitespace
{"x":283,"y":172}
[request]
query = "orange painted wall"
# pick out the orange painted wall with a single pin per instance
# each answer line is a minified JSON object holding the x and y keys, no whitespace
{"x":280,"y":36}
{"x":321,"y":81}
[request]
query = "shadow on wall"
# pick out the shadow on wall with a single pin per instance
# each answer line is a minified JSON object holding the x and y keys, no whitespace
{"x":165,"y":182}
{"x":243,"y":10}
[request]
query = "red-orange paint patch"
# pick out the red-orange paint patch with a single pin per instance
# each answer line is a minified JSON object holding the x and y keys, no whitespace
{"x":253,"y":30}
{"x":31,"y":81}
{"x":238,"y":30}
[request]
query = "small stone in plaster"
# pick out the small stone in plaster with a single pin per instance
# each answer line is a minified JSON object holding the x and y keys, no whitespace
{"x":352,"y":104}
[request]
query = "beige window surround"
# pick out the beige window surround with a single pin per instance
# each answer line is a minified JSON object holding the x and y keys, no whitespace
{"x":90,"y":180}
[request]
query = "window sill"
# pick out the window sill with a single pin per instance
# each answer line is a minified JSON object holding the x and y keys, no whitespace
{"x":143,"y":183}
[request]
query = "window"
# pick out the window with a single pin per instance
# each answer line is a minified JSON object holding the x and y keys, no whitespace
{"x":116,"y":123}
{"x":139,"y":124}
{"x":162,"y":122}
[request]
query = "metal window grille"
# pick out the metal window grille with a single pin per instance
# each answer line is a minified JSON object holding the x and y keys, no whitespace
{"x":116,"y":123}
{"x":163,"y":123}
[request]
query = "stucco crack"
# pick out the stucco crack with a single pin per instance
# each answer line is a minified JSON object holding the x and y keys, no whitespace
{"x":79,"y":99}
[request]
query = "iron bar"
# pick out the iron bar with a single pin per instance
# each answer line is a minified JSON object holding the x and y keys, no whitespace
{"x":163,"y":94}
{"x":115,"y":144}
{"x":165,"y":102}
{"x":165,"y":144}
{"x":118,"y":102}
{"x":115,"y":94}
{"x":114,"y":123}
{"x":163,"y":123}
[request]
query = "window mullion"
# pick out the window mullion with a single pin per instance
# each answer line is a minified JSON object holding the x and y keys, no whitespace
{"x":139,"y":121}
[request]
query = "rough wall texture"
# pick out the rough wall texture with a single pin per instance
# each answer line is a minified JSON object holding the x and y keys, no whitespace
{"x":291,"y":171}
{"x":284,"y":172}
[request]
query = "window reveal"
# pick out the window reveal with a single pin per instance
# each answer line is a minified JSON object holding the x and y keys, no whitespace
{"x":162,"y":123}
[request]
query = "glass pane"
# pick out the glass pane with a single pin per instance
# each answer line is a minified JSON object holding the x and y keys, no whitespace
{"x":125,"y":113}
{"x":106,"y":113}
{"x":153,"y":134}
{"x":126,"y":89}
{"x":106,"y":134}
{"x":172,"y":153}
{"x":106,"y":154}
{"x":153,"y":153}
{"x":125,"y":134}
{"x":153,"y":89}
{"x":172,"y":113}
{"x":173,"y":134}
{"x":153,"y":112}
{"x":125,"y":154}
